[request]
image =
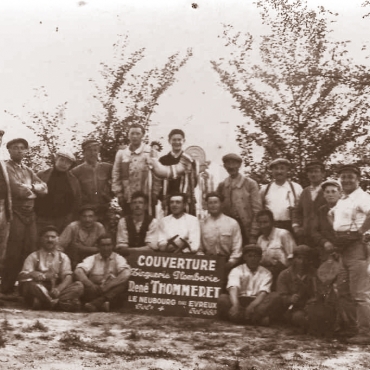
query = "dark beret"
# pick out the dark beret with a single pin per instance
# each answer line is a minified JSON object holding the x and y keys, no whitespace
{"x":300,"y":250}
{"x":351,"y":168}
{"x":17,"y":140}
{"x":89,"y":142}
{"x":252,"y":248}
{"x":312,"y":164}
{"x":279,"y":161}
{"x":331,"y":182}
{"x":232,"y":157}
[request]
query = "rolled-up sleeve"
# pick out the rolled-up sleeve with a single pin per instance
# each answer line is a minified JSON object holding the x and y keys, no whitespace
{"x":234,"y":278}
{"x":151,"y":238}
{"x":122,"y":234}
{"x":87,"y":264}
{"x":116,"y":175}
{"x":121,"y":264}
{"x":194,"y":234}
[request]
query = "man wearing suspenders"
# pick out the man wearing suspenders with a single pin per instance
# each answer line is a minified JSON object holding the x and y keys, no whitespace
{"x":281,"y":196}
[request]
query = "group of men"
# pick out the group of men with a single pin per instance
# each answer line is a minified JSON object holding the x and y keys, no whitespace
{"x":273,"y":237}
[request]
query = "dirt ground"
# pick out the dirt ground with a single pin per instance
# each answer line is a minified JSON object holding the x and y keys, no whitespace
{"x":61,"y":341}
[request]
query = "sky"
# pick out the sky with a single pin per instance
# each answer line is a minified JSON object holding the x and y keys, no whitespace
{"x":60,"y":44}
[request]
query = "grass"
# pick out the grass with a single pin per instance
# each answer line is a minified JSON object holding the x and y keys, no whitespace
{"x":37,"y":326}
{"x":3,"y":339}
{"x":6,"y":325}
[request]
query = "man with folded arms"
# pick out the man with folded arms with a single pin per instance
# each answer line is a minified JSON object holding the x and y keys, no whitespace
{"x":179,"y":232}
{"x":104,"y":276}
{"x":25,"y":188}
{"x":351,"y":219}
{"x":46,"y":277}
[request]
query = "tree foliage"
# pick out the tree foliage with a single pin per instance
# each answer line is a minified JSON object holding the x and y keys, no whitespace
{"x":305,"y":98}
{"x":130,"y":96}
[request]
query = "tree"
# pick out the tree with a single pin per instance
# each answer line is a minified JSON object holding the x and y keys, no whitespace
{"x":129,"y":97}
{"x":305,"y":99}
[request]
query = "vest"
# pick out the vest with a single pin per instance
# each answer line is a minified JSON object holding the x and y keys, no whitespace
{"x":137,"y":239}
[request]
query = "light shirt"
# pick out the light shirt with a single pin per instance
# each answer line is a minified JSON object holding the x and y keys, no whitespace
{"x":44,"y":261}
{"x":75,"y":233}
{"x":248,"y":283}
{"x":221,"y":236}
{"x":187,"y":226}
{"x":278,"y":246}
{"x":151,"y":237}
{"x":351,"y":210}
{"x":314,"y":191}
{"x":280,"y":198}
{"x":99,"y":270}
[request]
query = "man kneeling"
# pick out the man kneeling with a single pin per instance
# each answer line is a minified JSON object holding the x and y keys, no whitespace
{"x":46,"y":277}
{"x":249,"y":300}
{"x":104,"y":276}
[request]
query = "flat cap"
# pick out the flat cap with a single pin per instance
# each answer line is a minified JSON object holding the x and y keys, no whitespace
{"x":350,"y":168}
{"x":331,"y":182}
{"x":300,"y":250}
{"x":232,"y":157}
{"x":87,"y":207}
{"x":279,"y":161}
{"x":17,"y":140}
{"x":88,"y":143}
{"x":252,"y":248}
{"x":312,"y":164}
{"x":66,"y":153}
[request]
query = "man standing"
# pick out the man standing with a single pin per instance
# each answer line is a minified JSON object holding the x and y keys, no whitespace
{"x":180,"y":184}
{"x":277,"y":245}
{"x":95,"y":179}
{"x":179,"y":231}
{"x":220,"y":234}
{"x":310,"y":201}
{"x":5,"y":207}
{"x":25,"y":187}
{"x":137,"y":231}
{"x":79,"y":238}
{"x":104,"y":276}
{"x":351,"y":219}
{"x":242,"y":199}
{"x":60,"y":206}
{"x":131,"y":171}
{"x":46,"y":277}
{"x":282,"y":195}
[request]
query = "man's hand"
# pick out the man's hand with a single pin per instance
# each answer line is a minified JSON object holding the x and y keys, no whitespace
{"x":329,"y":247}
{"x":249,"y":311}
{"x":37,"y":276}
{"x":234,"y":311}
{"x":294,"y":299}
{"x":55,"y":293}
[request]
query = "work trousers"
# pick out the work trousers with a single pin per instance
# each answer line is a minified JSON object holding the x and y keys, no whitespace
{"x":115,"y":296}
{"x":21,"y":242}
{"x":4,"y":232}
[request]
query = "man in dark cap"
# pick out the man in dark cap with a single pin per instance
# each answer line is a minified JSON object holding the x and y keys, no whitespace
{"x":281,"y":196}
{"x":311,"y":199}
{"x":5,"y":207}
{"x":351,"y":219}
{"x":95,"y":179}
{"x":60,"y":206}
{"x":25,"y":188}
{"x":184,"y":183}
{"x":46,"y":276}
{"x":79,"y":238}
{"x":249,"y":300}
{"x":131,"y":171}
{"x":241,"y":198}
{"x":296,"y":287}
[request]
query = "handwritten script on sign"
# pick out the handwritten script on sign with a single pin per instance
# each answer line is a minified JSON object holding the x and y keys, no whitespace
{"x":174,"y":284}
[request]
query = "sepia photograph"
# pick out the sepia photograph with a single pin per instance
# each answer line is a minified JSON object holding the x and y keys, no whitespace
{"x":185,"y":185}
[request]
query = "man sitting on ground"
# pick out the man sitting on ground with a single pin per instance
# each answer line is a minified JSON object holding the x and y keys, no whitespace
{"x":277,"y":244}
{"x":79,"y":238}
{"x":104,"y":276}
{"x":249,"y":300}
{"x":46,"y":277}
{"x":138,"y":230}
{"x":295,"y":285}
{"x":178,"y":232}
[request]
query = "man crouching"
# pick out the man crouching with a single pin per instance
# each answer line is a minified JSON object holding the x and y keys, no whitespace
{"x":46,"y":277}
{"x":104,"y":276}
{"x":249,"y":300}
